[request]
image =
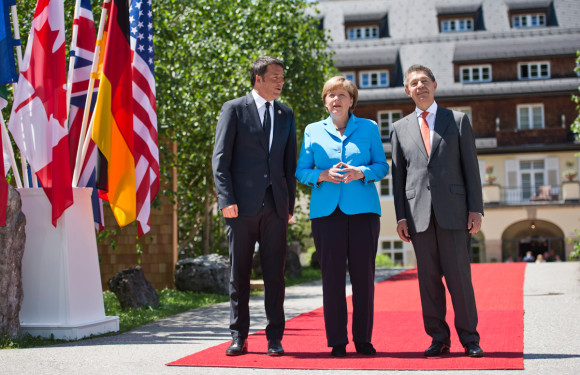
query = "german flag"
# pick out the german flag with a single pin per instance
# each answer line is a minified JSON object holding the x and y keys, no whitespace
{"x":113,"y":116}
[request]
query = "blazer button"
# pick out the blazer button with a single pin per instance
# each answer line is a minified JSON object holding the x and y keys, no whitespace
{"x":428,"y":187}
{"x":265,"y":176}
{"x":339,"y":150}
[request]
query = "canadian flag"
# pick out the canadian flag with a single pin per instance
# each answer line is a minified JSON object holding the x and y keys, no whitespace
{"x":37,"y":122}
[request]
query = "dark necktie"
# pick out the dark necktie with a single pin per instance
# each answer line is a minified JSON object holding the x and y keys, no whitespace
{"x":267,"y":124}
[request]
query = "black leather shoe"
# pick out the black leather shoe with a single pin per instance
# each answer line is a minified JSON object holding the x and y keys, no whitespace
{"x":275,"y":348}
{"x":338,"y":351}
{"x":437,"y":348}
{"x":472,"y":349}
{"x":238,"y":346}
{"x":365,"y":348}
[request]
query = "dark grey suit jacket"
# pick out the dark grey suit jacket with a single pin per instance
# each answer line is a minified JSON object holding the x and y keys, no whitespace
{"x":242,"y":167}
{"x":448,"y":181}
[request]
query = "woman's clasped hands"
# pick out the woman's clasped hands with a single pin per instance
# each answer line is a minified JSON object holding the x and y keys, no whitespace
{"x":341,"y":172}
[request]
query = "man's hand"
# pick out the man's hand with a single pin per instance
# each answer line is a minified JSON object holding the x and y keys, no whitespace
{"x":230,"y":211}
{"x":290,"y":220}
{"x":333,"y":174}
{"x":474,"y":221}
{"x":403,"y":230}
{"x":350,"y":173}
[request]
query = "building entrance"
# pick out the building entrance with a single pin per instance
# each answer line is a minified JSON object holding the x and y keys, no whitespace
{"x":534,"y":236}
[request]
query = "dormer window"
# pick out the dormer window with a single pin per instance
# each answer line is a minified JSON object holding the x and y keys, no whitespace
{"x":526,"y":14}
{"x":460,"y":18}
{"x":366,"y":26}
{"x":457,"y":25}
{"x":373,"y":79}
{"x":475,"y":74}
{"x":523,"y":21}
{"x":362,"y":32}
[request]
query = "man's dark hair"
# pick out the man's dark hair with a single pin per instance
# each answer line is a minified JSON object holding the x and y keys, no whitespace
{"x":418,"y":68}
{"x":260,"y":66}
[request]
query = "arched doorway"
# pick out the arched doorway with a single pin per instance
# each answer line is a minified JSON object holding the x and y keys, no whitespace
{"x":536,"y":236}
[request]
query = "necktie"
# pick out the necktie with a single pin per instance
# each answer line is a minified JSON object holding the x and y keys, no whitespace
{"x":425,"y":132}
{"x":267,"y":124}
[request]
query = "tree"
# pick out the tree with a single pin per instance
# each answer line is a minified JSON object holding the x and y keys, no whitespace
{"x":203,"y":51}
{"x":575,"y":127}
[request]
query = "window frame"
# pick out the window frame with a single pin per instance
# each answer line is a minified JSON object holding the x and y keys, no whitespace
{"x":370,"y":72}
{"x":350,"y":72}
{"x":392,"y":250}
{"x":390,"y":120}
{"x":360,"y":32}
{"x":456,"y":22}
{"x":465,"y":109}
{"x":471,"y":69}
{"x":530,"y":107}
{"x":528,"y":17}
{"x":538,"y":65}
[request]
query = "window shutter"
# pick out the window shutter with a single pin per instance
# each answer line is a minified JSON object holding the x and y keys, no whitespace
{"x":511,"y":174}
{"x":552,"y":170}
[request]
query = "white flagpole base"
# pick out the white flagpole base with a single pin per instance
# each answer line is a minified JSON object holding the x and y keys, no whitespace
{"x":61,"y":279}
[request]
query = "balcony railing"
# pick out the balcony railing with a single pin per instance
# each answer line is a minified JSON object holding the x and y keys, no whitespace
{"x":529,"y":194}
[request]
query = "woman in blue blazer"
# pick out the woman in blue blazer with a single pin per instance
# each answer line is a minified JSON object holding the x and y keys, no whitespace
{"x":341,"y":159}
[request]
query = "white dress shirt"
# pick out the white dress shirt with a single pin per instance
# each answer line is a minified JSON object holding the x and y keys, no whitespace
{"x":430,"y":119}
{"x":261,"y":104}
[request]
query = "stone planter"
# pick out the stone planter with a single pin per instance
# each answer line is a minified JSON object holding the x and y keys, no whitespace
{"x":491,"y":194}
{"x":571,"y":191}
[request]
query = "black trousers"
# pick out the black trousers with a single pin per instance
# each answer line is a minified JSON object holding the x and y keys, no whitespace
{"x":269,"y":230}
{"x":443,"y":252}
{"x":347,"y":240}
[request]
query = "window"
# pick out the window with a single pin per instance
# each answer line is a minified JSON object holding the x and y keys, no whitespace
{"x":466,"y":110}
{"x":394,"y":249}
{"x":386,"y":186}
{"x":472,"y":74}
{"x":362,"y":32}
{"x":386,"y":119}
{"x":533,"y":175}
{"x":525,"y":175}
{"x":457,"y":25}
{"x":374,"y":79}
{"x":535,"y":70}
{"x":531,"y":116}
{"x":351,"y":76}
{"x":523,"y":21}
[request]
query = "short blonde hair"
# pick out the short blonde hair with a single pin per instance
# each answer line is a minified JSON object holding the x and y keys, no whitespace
{"x":340,"y":82}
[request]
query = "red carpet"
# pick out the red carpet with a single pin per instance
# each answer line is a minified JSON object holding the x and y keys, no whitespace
{"x":398,"y":333}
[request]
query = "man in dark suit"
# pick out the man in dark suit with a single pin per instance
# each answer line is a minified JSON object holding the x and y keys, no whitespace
{"x":438,"y":203}
{"x":254,"y":161}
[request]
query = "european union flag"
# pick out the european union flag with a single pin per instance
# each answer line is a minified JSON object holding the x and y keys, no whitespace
{"x":8,"y":73}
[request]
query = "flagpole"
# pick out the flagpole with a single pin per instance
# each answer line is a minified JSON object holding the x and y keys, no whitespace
{"x":84,"y":136}
{"x":8,"y":146}
{"x":19,"y":61}
{"x":72,"y":59}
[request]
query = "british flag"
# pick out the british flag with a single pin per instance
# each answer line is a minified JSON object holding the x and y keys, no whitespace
{"x":146,"y":150}
{"x":82,"y":51}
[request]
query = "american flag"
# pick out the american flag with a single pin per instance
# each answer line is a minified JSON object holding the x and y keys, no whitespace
{"x":82,"y":51}
{"x":146,"y":151}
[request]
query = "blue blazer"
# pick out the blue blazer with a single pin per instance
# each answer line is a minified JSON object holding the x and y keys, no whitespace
{"x":360,"y":146}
